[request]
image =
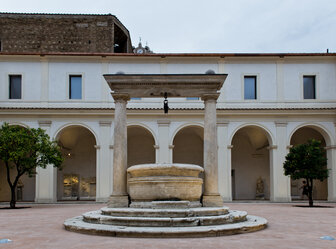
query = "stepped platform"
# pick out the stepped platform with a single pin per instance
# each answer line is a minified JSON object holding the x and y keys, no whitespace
{"x":165,"y":222}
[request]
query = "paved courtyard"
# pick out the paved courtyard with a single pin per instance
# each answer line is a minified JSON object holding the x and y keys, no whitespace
{"x":41,"y":226}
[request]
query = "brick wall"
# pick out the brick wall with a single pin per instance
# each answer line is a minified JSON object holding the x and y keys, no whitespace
{"x":63,"y":33}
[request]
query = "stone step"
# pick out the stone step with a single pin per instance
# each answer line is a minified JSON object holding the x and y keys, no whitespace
{"x":252,"y":223}
{"x":171,"y":213}
{"x":136,"y":221}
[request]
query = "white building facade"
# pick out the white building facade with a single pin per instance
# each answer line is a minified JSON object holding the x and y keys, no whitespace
{"x":268,"y":103}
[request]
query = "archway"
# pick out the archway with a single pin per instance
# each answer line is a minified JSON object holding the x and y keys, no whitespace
{"x":140,"y":146}
{"x":188,"y":145}
{"x":25,"y":190}
{"x":250,"y":163}
{"x":320,"y":189}
{"x":77,"y":179}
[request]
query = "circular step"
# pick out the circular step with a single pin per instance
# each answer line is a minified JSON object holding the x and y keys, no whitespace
{"x":252,"y":223}
{"x":172,"y":213}
{"x":135,"y":221}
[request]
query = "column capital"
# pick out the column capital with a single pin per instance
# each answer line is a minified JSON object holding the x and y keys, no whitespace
{"x":330,"y":147}
{"x":163,"y":122}
{"x":281,"y":123}
{"x":156,"y":146}
{"x":223,"y":122}
{"x":119,"y":97}
{"x":171,"y":146}
{"x":272,"y":147}
{"x":210,"y":96}
{"x":97,"y":147}
{"x":111,"y":147}
{"x":105,"y":123}
{"x":45,"y":123}
{"x":289,"y":146}
{"x":230,"y":147}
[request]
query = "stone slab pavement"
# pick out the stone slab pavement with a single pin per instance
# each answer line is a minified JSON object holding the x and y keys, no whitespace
{"x":41,"y":226}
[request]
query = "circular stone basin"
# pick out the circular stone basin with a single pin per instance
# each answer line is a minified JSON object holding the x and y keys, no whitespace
{"x":152,"y":182}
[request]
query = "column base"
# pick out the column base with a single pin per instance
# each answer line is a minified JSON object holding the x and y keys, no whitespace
{"x":118,"y":201}
{"x":212,"y":201}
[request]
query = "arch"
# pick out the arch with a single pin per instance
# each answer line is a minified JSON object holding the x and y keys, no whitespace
{"x":268,"y":133}
{"x":59,"y":130}
{"x":302,"y":134}
{"x":140,"y":145}
{"x":189,"y":145}
{"x":145,"y":127}
{"x":251,"y":162}
{"x":18,"y":124}
{"x":178,"y":129}
{"x":318,"y":127}
{"x":77,"y":180}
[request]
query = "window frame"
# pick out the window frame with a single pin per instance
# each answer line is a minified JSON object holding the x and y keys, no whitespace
{"x":250,"y":75}
{"x":315,"y":75}
{"x":69,"y":75}
{"x":9,"y":86}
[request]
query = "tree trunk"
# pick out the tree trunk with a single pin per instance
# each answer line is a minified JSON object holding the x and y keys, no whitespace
{"x":13,"y":197}
{"x":310,"y":192}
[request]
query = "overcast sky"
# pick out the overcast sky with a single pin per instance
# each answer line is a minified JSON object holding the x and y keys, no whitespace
{"x":219,"y":26}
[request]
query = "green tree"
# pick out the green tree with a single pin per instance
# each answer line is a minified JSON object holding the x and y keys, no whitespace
{"x":25,"y":149}
{"x":307,"y":161}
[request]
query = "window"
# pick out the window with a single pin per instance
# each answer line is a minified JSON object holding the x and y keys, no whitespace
{"x":75,"y":87}
{"x":250,"y":87}
{"x":192,"y":98}
{"x":15,"y":86}
{"x":309,"y":87}
{"x":135,"y":98}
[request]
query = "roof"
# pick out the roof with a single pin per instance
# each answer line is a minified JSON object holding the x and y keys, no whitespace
{"x":163,"y":55}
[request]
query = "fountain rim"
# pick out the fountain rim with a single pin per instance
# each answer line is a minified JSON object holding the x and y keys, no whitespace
{"x":160,"y":166}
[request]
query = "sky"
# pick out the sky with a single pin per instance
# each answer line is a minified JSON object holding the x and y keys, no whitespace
{"x":210,"y":26}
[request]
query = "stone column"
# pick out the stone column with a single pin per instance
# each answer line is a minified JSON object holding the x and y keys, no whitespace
{"x":163,"y":155}
{"x":103,"y":162}
{"x":280,"y":184}
{"x":119,"y":197}
{"x":211,"y":197}
{"x":331,"y":155}
{"x":46,"y":179}
{"x":224,"y":161}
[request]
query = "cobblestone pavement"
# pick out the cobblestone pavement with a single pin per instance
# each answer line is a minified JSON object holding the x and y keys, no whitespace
{"x":289,"y":226}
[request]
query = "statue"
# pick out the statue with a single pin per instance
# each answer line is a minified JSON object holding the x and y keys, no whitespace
{"x":260,"y":189}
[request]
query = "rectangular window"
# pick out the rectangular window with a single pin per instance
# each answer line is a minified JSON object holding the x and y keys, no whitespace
{"x":15,"y":86}
{"x":75,"y":87}
{"x":192,"y":98}
{"x":309,"y":87}
{"x":135,"y":98}
{"x":250,"y":87}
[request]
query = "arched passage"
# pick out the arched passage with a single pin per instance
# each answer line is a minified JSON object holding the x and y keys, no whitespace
{"x":25,"y":190}
{"x":77,"y":179}
{"x":250,"y":163}
{"x":140,"y":146}
{"x":188,"y":145}
{"x":320,"y":189}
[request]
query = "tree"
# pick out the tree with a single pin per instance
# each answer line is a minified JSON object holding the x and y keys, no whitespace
{"x":25,"y":149}
{"x":307,"y":161}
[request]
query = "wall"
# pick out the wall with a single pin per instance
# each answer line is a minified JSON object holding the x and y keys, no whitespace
{"x":61,"y":33}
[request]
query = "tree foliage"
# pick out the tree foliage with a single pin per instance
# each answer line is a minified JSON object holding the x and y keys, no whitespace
{"x":25,"y":149}
{"x":307,"y":161}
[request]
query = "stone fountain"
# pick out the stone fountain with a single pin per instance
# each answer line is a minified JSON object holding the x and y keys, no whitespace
{"x":165,"y":199}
